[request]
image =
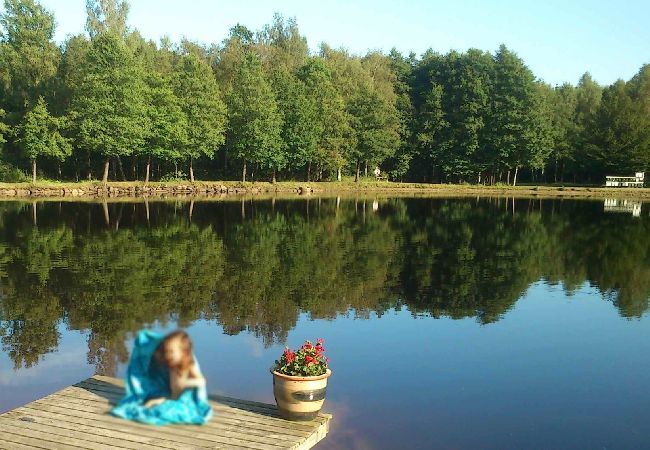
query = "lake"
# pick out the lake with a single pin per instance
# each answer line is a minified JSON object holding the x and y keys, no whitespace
{"x":450,"y":323}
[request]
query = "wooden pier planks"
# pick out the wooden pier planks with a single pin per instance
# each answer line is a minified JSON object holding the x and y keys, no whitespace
{"x":77,"y":417}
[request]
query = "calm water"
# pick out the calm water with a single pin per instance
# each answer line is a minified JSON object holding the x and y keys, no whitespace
{"x":451,"y":323}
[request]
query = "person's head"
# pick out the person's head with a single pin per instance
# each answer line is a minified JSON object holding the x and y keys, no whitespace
{"x":175,"y":351}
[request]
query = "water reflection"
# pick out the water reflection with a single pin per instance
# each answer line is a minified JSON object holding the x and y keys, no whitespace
{"x":109,"y":269}
{"x":623,"y":206}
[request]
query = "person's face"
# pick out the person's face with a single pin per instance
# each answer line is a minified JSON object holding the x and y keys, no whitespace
{"x":174,"y":352}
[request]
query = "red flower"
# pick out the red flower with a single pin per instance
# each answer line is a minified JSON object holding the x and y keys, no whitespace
{"x":307,"y":360}
{"x":289,"y":356}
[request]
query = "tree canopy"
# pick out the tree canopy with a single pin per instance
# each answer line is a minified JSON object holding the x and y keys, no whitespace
{"x":260,"y":104}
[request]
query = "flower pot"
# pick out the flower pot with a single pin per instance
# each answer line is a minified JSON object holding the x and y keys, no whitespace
{"x":299,"y":398}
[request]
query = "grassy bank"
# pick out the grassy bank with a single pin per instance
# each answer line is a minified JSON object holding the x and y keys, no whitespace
{"x":52,"y":189}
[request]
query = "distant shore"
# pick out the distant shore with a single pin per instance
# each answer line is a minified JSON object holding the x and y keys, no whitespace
{"x":219,"y":189}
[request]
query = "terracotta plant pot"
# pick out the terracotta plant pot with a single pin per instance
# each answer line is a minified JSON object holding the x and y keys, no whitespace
{"x":299,"y":398}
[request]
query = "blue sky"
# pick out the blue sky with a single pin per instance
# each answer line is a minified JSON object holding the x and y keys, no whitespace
{"x":559,"y":40}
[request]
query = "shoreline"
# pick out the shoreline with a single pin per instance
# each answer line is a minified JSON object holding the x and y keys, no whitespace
{"x":220,"y":189}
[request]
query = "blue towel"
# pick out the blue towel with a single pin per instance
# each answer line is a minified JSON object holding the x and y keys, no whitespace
{"x":145,"y":381}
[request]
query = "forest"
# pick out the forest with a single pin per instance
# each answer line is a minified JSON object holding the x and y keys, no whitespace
{"x":259,"y":105}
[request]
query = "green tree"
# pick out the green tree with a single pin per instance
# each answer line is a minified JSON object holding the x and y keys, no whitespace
{"x":107,"y":16}
{"x":39,"y":135}
{"x":200,"y":100}
{"x":300,"y":126}
{"x":370,"y":103}
{"x":108,"y":107}
{"x":563,"y":103}
{"x":376,"y":123}
{"x":168,"y":127}
{"x":623,"y":123}
{"x":70,"y":71}
{"x":4,"y":129}
{"x":588,"y":99}
{"x":513,"y":136}
{"x":375,"y":110}
{"x":28,"y":55}
{"x":330,"y":123}
{"x":254,"y":121}
{"x":403,"y":69}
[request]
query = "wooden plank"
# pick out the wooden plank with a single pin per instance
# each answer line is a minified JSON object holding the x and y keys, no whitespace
{"x":223,"y":430}
{"x":78,"y":417}
{"x":203,"y":433}
{"x":11,"y":441}
{"x":6,"y":444}
{"x":96,"y":427}
{"x":244,"y":406}
{"x":226,"y":422}
{"x":113,"y":423}
{"x":321,"y":423}
{"x":246,"y":424}
{"x":78,"y":433}
{"x":167,"y":437}
{"x":229,"y":407}
{"x":53,"y":441}
{"x":254,"y":421}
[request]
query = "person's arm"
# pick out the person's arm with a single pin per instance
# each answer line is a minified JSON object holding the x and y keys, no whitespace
{"x":195,"y":378}
{"x":154,"y":402}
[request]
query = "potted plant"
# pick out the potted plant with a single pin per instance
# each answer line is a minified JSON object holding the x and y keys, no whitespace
{"x":299,"y":381}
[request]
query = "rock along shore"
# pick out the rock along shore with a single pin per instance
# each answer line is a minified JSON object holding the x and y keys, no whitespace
{"x":206,"y":189}
{"x":141,"y":190}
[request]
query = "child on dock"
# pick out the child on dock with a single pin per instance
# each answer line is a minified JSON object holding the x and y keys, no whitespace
{"x":164,"y":384}
{"x":175,"y":354}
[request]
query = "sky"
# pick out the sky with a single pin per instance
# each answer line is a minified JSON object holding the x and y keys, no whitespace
{"x":558,"y":39}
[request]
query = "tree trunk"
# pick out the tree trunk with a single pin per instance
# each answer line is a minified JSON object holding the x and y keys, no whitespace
{"x":107,"y":165}
{"x":243,"y":172}
{"x":34,"y":214}
{"x":146,"y":207}
{"x":90,"y":170}
{"x":366,"y":170}
{"x":119,"y":217}
{"x":107,"y":217}
{"x":514,"y":180}
{"x":34,"y":170}
{"x":308,"y":171}
{"x":508,"y":178}
{"x":273,"y":177}
{"x":191,"y":171}
{"x":148,"y":169}
{"x":58,"y":168}
{"x":338,"y":174}
{"x":119,"y":165}
{"x":356,"y":176}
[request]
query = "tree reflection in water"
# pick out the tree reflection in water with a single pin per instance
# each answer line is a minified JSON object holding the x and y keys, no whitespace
{"x":110,"y":269}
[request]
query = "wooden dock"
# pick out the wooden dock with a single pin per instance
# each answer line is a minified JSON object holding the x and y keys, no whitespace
{"x":78,"y":417}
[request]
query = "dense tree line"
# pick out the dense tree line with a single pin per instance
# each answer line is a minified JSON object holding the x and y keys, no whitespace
{"x":111,"y":269}
{"x":260,"y":105}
